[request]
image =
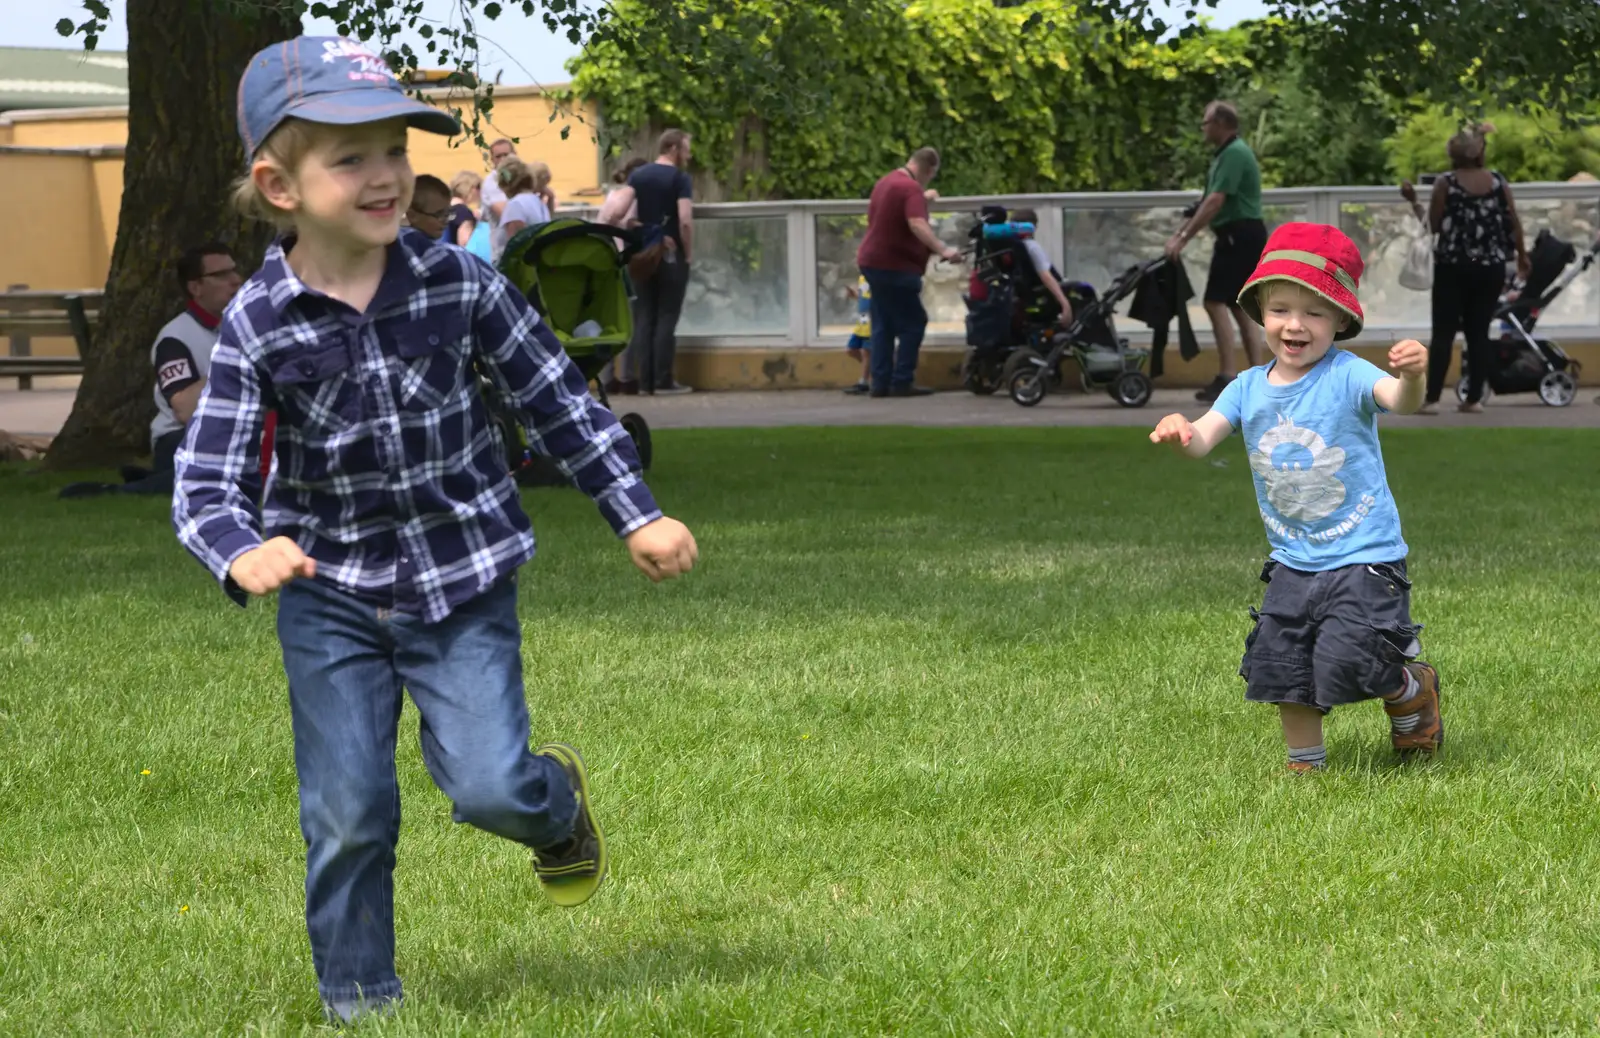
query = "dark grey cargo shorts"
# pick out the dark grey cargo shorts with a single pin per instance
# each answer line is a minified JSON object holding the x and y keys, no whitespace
{"x":1329,"y":638}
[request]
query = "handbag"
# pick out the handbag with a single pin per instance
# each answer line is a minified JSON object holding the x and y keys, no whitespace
{"x":1417,"y":271}
{"x":642,"y":267}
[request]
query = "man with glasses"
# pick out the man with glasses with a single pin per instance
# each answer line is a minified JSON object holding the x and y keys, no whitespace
{"x":1232,"y":209}
{"x":182,"y":359}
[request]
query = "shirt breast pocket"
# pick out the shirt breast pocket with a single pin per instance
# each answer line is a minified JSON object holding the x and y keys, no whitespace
{"x":433,"y":356}
{"x":315,"y":389}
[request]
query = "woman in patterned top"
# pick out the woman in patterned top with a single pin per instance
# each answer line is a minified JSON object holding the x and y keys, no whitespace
{"x":1479,"y":232}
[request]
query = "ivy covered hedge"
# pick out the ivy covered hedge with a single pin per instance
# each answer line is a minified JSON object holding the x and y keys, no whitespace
{"x":1017,"y":99}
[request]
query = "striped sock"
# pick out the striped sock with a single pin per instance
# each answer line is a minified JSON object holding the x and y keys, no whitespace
{"x":1406,"y":723}
{"x":1316,"y":756}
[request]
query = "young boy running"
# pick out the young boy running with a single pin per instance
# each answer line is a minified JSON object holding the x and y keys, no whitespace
{"x":1335,"y":626}
{"x":392,"y":530}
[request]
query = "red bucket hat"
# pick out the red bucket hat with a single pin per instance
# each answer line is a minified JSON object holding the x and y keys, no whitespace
{"x":1314,"y":256}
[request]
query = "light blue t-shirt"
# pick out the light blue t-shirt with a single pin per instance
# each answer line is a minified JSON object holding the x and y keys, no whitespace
{"x":1313,"y":450}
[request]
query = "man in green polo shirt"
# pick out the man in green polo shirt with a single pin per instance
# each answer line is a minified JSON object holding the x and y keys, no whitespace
{"x":1232,"y":209}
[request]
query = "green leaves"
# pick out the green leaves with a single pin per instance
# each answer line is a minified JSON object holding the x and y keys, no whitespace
{"x":1022,"y":97}
{"x":1474,"y":54}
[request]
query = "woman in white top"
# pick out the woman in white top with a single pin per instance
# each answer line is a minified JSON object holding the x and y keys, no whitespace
{"x":524,"y":185}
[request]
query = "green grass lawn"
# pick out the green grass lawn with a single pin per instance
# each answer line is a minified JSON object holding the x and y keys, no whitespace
{"x":944,"y":737}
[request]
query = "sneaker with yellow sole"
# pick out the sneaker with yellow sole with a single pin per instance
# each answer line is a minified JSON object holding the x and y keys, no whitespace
{"x":571,"y":871}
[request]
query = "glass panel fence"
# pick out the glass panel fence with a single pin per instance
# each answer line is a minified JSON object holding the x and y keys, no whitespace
{"x":838,"y":238}
{"x":1384,"y":232}
{"x":739,"y":283}
{"x":1102,"y":243}
{"x":1575,"y":221}
{"x":945,"y":283}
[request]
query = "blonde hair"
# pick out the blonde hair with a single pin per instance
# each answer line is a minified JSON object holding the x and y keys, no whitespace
{"x":286,"y":147}
{"x":464,"y":183}
{"x":512,"y":176}
{"x":517,"y":177}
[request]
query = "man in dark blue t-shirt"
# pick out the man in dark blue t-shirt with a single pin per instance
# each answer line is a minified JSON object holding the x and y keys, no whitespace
{"x":664,"y":195}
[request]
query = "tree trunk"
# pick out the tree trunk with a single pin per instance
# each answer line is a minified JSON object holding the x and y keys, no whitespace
{"x":184,"y":62}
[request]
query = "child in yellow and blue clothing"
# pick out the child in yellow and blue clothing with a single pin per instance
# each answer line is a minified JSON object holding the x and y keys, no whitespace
{"x":860,"y":345}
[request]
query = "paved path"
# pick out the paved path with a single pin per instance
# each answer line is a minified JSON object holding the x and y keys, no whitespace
{"x":42,"y":410}
{"x":830,"y":407}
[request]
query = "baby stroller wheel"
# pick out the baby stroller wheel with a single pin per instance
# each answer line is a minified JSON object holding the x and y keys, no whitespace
{"x":1558,"y":388}
{"x":1026,"y":379}
{"x":634,"y":425}
{"x":980,"y":375}
{"x":1461,"y":391}
{"x":1132,"y":389}
{"x":1028,"y":387}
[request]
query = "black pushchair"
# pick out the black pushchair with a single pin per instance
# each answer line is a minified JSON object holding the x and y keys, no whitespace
{"x":1522,"y":363}
{"x":1105,"y":360}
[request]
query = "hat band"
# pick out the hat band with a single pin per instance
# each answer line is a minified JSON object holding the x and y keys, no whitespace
{"x":1311,"y":259}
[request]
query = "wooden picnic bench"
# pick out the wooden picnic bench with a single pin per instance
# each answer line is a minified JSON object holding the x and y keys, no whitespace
{"x":26,"y":315}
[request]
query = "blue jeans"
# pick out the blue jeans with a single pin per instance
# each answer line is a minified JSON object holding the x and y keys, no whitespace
{"x":347,"y":661}
{"x":897,"y":313}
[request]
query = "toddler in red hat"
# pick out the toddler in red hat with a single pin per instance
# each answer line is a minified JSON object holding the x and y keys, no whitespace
{"x":1335,"y":625}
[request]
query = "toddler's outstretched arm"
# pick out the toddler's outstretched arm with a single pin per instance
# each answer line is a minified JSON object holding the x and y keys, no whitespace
{"x":1402,"y":394}
{"x":1192,"y":438}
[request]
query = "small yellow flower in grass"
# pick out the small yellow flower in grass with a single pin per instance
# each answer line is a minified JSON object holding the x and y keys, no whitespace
{"x":146,"y":771}
{"x":806,"y":736}
{"x":184,"y":909}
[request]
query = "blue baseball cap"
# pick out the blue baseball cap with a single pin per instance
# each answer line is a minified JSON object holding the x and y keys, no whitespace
{"x":326,"y":79}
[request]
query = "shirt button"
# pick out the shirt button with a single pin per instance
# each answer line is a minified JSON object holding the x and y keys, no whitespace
{"x":433,"y":340}
{"x":307,"y":368}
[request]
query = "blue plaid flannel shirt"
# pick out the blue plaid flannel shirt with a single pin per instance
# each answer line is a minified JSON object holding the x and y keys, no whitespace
{"x":390,"y":472}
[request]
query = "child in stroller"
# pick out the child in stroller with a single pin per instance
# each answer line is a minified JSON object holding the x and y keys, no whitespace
{"x":1014,"y":295}
{"x":1522,"y":363}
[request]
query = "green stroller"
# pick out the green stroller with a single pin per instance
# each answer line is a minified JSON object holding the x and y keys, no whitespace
{"x":576,"y":278}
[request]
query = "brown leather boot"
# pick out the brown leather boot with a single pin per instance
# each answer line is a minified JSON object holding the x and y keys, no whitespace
{"x":1428,"y":735}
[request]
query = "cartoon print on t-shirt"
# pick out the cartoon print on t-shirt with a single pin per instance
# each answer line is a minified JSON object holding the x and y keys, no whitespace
{"x":1299,"y":471}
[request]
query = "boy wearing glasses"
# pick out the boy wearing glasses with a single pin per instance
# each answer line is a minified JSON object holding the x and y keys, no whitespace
{"x":430,"y":206}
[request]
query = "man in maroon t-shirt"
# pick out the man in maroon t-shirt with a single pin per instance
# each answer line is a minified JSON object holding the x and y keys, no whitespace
{"x":893,"y":257}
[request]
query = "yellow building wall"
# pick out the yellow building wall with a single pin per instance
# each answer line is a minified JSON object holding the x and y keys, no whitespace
{"x":50,"y":223}
{"x":525,"y":114}
{"x":105,"y":174}
{"x":67,"y":244}
{"x":69,"y":129}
